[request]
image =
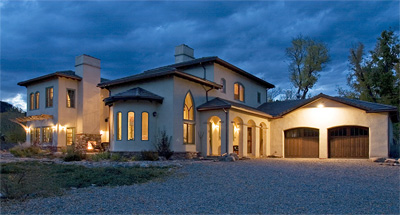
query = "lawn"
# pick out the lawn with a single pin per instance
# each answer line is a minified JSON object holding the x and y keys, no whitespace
{"x":24,"y":180}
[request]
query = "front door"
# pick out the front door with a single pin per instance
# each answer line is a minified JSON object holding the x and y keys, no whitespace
{"x":249,"y":140}
{"x":70,"y":136}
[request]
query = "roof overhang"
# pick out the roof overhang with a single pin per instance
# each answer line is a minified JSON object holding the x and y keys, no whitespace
{"x":110,"y":100}
{"x":47,"y":77}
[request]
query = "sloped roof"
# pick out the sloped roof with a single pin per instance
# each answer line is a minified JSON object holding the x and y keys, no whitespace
{"x":218,"y":103}
{"x":175,"y":69}
{"x":65,"y":74}
{"x":280,"y":108}
{"x":136,"y":93}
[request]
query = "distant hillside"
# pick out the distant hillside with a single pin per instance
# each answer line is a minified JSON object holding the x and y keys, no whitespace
{"x":9,"y":131}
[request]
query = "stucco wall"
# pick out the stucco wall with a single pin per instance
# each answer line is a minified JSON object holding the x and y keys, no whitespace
{"x":333,"y":114}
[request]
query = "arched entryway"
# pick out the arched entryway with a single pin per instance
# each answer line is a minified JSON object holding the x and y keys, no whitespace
{"x":348,"y":142}
{"x":302,"y":143}
{"x":237,"y":128}
{"x":251,"y":137}
{"x":214,"y":136}
{"x":263,"y":138}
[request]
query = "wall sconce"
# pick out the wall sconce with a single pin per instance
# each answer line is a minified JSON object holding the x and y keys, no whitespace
{"x":215,"y":126}
{"x":155,"y":114}
{"x":27,"y":129}
{"x":101,"y":132}
{"x":321,"y":105}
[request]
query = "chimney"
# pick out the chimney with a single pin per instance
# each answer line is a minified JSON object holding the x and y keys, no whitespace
{"x":183,"y":53}
{"x":88,"y":95}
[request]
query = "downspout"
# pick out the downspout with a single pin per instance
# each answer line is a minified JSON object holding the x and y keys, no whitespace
{"x":226,"y":130}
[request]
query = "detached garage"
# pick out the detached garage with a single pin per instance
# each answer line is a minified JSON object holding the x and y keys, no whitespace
{"x":348,"y":142}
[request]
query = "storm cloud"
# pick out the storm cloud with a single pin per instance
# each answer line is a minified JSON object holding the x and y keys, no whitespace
{"x":41,"y":37}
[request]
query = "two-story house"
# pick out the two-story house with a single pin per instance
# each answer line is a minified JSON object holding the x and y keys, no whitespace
{"x":210,"y":107}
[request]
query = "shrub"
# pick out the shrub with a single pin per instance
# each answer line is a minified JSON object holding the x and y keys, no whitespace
{"x":30,"y":151}
{"x":149,"y":155}
{"x":163,"y":145}
{"x":117,"y":157}
{"x":73,"y":155}
{"x":101,"y":156}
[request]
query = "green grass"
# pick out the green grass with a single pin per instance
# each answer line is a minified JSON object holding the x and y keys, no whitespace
{"x":24,"y":180}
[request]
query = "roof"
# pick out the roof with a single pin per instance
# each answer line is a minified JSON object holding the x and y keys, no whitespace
{"x":33,"y":118}
{"x":280,"y":108}
{"x":66,"y":74}
{"x":218,"y":103}
{"x":136,"y":93}
{"x":175,"y":69}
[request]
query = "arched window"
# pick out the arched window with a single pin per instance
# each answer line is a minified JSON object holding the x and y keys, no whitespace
{"x":32,"y":101}
{"x":188,"y":120}
{"x":119,"y":126}
{"x":223,"y":83}
{"x":145,"y":126}
{"x":131,"y":125}
{"x":238,"y":92}
{"x":37,"y":100}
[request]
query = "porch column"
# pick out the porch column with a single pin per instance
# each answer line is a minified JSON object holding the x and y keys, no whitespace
{"x":228,"y":128}
{"x":257,"y":141}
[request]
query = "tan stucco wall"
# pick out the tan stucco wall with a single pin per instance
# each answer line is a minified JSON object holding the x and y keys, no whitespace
{"x":333,"y":114}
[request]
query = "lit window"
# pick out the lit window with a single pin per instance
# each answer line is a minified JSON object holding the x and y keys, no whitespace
{"x":119,"y":126}
{"x":188,"y":120}
{"x":238,"y":92}
{"x":32,"y":102}
{"x":47,"y":135}
{"x":145,"y":126}
{"x":70,"y":98}
{"x":49,"y":97}
{"x":35,"y":136}
{"x":37,"y":100}
{"x":223,"y":83}
{"x":131,"y":125}
{"x":70,"y":136}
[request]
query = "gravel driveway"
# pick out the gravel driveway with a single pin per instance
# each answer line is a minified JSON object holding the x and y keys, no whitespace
{"x":253,"y":186}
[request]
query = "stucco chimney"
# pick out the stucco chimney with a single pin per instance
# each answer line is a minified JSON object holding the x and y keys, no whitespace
{"x":183,"y":53}
{"x":88,"y":95}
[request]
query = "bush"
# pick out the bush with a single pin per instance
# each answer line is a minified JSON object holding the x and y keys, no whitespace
{"x":101,"y":156}
{"x":117,"y":157}
{"x":163,"y":145}
{"x":19,"y":151}
{"x":73,"y":155}
{"x":149,"y":155}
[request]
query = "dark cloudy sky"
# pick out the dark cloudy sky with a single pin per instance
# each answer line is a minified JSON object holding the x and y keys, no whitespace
{"x":41,"y":37}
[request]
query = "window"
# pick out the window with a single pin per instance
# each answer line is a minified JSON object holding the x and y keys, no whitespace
{"x":47,"y":135}
{"x":223,"y":83}
{"x":70,"y":98}
{"x":35,"y":136}
{"x":37,"y":100}
{"x":49,"y":97}
{"x":70,"y":136}
{"x":32,"y":101}
{"x":119,"y":126}
{"x":238,"y":92}
{"x":131,"y":125}
{"x":258,"y":97}
{"x":188,"y":120}
{"x":145,"y":126}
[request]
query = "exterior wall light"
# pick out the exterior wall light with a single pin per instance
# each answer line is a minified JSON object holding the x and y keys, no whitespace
{"x":320,"y":105}
{"x":155,"y":114}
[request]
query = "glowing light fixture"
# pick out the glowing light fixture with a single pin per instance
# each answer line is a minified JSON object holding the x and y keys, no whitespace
{"x":236,"y":128}
{"x":215,"y":126}
{"x":101,"y":132}
{"x":320,"y":105}
{"x":27,"y":129}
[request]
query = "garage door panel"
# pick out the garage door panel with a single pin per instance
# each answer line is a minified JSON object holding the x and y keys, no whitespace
{"x":302,"y":143}
{"x":348,"y":142}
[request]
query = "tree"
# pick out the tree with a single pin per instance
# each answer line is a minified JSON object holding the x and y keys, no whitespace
{"x":375,"y":77}
{"x":307,"y":58}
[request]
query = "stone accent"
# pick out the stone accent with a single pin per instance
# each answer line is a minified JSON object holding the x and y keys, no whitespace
{"x":81,"y":143}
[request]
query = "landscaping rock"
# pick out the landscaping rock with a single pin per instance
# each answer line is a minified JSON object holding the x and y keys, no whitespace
{"x":228,"y":158}
{"x":391,"y":161}
{"x":377,"y":159}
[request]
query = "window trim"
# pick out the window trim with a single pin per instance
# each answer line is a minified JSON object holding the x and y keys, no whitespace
{"x":148,"y":127}
{"x":66,"y":101}
{"x":240,"y":85}
{"x":134,"y":125}
{"x":118,"y":125}
{"x":187,"y":121}
{"x":52,"y":99}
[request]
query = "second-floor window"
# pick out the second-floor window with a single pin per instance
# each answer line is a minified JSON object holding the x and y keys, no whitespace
{"x":70,"y":98}
{"x":37,"y":96}
{"x":258,"y":97}
{"x":49,"y":97}
{"x":238,"y":92}
{"x":32,"y":101}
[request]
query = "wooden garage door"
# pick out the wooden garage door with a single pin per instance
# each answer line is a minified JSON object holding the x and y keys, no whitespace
{"x":302,"y":143}
{"x":348,"y":142}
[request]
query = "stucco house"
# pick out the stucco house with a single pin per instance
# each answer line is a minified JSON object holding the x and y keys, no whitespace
{"x":208,"y":106}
